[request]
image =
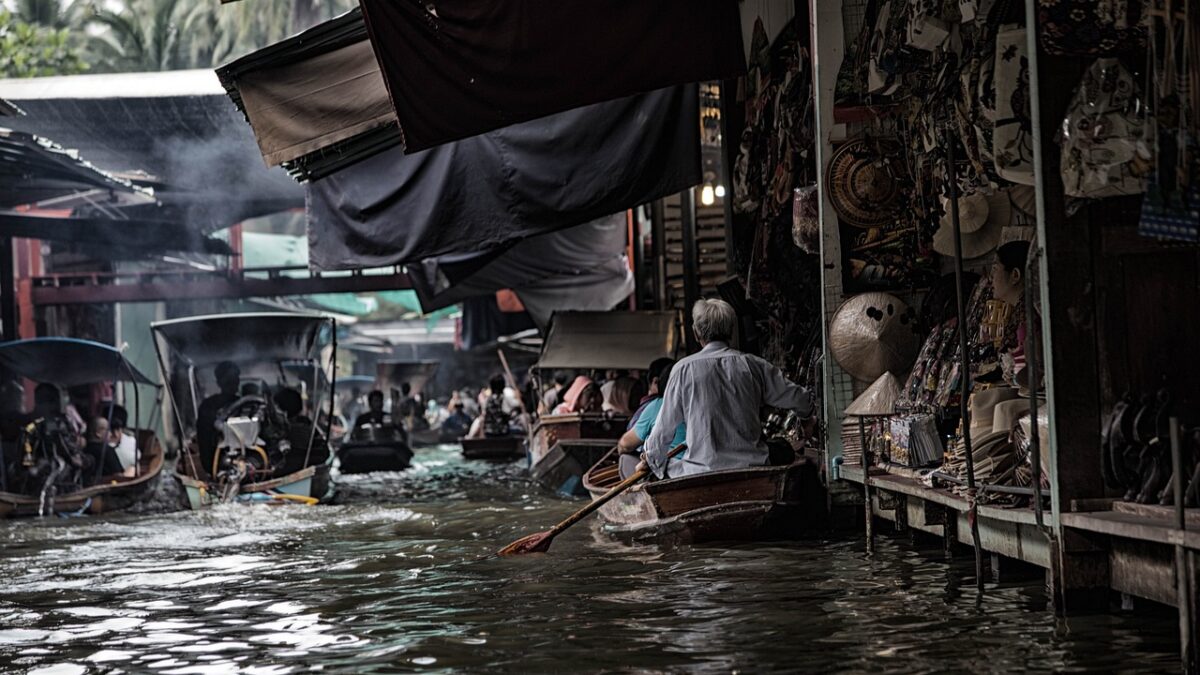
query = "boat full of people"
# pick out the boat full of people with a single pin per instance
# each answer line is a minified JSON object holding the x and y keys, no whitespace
{"x":77,"y":450}
{"x":254,"y":426}
{"x":597,"y":362}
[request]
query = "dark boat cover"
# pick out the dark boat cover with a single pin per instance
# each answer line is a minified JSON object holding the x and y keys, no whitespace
{"x":69,"y":362}
{"x":459,"y":68}
{"x":490,"y":191}
{"x":259,"y":337}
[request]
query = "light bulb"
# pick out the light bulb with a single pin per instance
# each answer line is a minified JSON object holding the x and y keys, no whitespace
{"x":720,"y":192}
{"x":706,"y":196}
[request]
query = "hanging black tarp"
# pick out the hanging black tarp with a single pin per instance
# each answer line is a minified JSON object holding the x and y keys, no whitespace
{"x":580,"y":268}
{"x":486,"y":192}
{"x":458,"y":68}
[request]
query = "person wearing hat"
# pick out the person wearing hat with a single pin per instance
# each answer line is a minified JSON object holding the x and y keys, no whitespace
{"x":229,"y":378}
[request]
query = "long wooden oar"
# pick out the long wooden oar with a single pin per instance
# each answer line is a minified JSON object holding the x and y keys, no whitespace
{"x":540,"y":542}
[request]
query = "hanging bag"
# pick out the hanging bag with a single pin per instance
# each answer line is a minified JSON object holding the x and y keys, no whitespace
{"x":1012,"y":137}
{"x":1091,"y":27}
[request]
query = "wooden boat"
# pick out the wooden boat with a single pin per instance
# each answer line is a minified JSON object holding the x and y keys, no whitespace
{"x":390,"y":376}
{"x":368,"y":456}
{"x":753,"y":504}
{"x":69,"y":362}
{"x":562,"y":447}
{"x":497,"y":448}
{"x":108,"y":495}
{"x":264,"y":346}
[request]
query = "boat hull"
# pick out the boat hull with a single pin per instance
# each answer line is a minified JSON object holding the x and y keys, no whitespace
{"x":308,"y":485}
{"x":563,"y":447}
{"x":497,"y":449}
{"x":114,"y":495}
{"x":753,"y":504}
{"x":371,"y":456}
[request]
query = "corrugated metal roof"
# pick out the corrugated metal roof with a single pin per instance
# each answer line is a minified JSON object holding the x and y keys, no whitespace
{"x":34,"y":169}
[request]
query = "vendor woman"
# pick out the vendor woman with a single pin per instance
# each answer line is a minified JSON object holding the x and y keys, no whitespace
{"x":1008,"y":286}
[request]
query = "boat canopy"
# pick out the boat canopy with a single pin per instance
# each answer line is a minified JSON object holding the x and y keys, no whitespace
{"x":246,"y":338}
{"x":417,"y":374}
{"x":600,"y":340}
{"x":69,"y":362}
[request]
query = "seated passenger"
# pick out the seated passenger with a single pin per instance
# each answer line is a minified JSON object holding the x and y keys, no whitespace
{"x":719,"y":392}
{"x":459,"y":422}
{"x":123,"y":443}
{"x":307,"y":443}
{"x":102,"y":454}
{"x":622,"y":398}
{"x":655,"y":390}
{"x":632,"y":441}
{"x":584,"y":396}
{"x":228,"y":377}
{"x":375,"y":422}
{"x":496,"y":412}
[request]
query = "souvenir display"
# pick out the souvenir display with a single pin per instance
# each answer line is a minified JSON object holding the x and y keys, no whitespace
{"x":1090,"y":27}
{"x":1012,"y":139}
{"x":915,"y":441}
{"x":1104,"y":137}
{"x":865,"y":182}
{"x":806,"y":219}
{"x":872,"y":334}
{"x":878,"y":399}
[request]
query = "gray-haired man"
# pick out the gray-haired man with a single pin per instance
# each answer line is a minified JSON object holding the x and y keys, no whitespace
{"x":718,"y":393}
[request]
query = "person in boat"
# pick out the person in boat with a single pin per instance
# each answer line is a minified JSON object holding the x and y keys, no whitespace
{"x":553,"y":396}
{"x":654,"y":389}
{"x":584,"y":396}
{"x":497,"y":411}
{"x":100,"y":451}
{"x":375,"y":415}
{"x":305,"y":441}
{"x":647,"y":416}
{"x":623,"y":396}
{"x":123,"y":443}
{"x":229,"y":377}
{"x":719,"y":392}
{"x":459,"y":422}
{"x":409,"y":408}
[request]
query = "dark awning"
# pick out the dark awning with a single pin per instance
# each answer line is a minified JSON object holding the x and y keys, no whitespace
{"x":68,"y":362}
{"x":316,"y":101}
{"x":417,"y":374}
{"x":579,"y":268}
{"x":34,"y":169}
{"x":114,"y":235}
{"x":601,"y":340}
{"x":177,"y":127}
{"x":469,"y":67}
{"x":490,"y":191}
{"x":246,"y":338}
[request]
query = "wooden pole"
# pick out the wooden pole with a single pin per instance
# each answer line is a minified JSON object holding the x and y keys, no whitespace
{"x":866,"y":461}
{"x":964,"y":345}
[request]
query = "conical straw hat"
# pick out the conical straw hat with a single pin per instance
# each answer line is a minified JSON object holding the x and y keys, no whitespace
{"x":878,"y":399}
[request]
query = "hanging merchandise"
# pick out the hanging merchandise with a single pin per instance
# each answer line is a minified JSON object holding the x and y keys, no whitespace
{"x":873,"y":333}
{"x":806,"y":219}
{"x":1104,"y":136}
{"x":925,"y":30}
{"x":982,"y":218}
{"x":915,"y":441}
{"x":1012,"y":138}
{"x":1091,"y":27}
{"x":865,"y":182}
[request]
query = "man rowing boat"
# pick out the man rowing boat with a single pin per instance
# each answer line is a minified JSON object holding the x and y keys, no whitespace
{"x":718,"y":393}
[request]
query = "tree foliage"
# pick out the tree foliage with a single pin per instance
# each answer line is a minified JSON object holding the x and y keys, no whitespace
{"x":29,"y":50}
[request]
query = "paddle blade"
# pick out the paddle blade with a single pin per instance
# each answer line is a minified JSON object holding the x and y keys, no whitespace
{"x":534,"y":543}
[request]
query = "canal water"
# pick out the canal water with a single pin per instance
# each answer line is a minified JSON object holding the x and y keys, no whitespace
{"x":396,"y":577}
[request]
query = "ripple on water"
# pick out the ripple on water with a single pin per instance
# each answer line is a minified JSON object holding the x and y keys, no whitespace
{"x":398,"y":575}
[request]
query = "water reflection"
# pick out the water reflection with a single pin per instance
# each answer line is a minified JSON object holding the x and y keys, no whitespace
{"x":398,"y":575}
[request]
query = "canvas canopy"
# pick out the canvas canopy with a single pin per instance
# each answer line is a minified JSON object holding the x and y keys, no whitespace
{"x":69,"y":362}
{"x":600,"y":340}
{"x":246,"y":338}
{"x":316,"y":100}
{"x":417,"y":374}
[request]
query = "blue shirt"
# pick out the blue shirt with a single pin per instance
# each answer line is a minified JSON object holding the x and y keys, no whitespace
{"x":649,"y":416}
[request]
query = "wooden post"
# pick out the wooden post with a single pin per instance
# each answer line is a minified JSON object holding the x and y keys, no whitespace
{"x":691,"y":261}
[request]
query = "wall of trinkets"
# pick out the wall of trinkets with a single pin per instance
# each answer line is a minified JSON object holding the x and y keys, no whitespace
{"x":932,"y":101}
{"x":932,"y":106}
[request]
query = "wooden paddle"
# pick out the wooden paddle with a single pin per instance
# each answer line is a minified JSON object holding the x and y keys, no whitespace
{"x":540,"y":542}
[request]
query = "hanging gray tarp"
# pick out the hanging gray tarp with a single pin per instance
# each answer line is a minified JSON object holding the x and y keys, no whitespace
{"x":458,"y":68}
{"x":488,"y":191}
{"x":579,"y":268}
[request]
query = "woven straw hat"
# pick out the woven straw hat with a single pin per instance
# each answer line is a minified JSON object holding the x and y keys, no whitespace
{"x":872,"y":334}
